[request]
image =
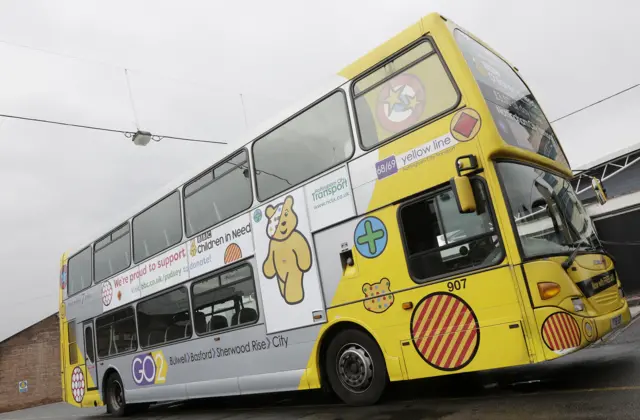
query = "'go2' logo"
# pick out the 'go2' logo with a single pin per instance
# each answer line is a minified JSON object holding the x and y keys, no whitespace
{"x":149,"y":368}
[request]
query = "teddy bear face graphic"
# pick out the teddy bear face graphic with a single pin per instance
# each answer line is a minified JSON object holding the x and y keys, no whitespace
{"x":378,"y":296}
{"x":283,"y":221}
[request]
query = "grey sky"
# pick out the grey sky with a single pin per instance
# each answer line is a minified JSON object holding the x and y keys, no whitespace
{"x":191,"y":59}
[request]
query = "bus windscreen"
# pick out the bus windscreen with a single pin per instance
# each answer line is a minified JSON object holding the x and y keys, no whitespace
{"x":516,"y":112}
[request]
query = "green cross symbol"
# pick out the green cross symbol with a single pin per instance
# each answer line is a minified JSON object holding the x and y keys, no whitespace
{"x":370,"y":237}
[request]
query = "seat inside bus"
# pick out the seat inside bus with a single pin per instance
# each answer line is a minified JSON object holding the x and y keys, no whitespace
{"x":174,"y":332}
{"x":200,"y":321}
{"x":155,"y":337}
{"x":218,"y":322}
{"x":245,"y":315}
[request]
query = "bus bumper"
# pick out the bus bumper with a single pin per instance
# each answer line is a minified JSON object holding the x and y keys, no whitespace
{"x":564,"y":332}
{"x":608,"y":323}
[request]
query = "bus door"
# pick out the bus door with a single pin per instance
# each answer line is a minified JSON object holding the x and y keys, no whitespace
{"x":90,"y":355}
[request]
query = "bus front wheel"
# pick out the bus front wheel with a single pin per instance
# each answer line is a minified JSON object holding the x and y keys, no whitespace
{"x":355,"y":368}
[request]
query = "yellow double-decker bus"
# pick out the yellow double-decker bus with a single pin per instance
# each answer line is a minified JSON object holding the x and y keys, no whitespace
{"x":416,"y":220}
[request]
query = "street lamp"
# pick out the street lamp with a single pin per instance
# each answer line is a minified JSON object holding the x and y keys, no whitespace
{"x":141,"y":138}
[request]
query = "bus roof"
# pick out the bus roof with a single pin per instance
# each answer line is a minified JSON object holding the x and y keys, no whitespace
{"x":390,"y":46}
{"x":242,"y":140}
{"x":357,"y":67}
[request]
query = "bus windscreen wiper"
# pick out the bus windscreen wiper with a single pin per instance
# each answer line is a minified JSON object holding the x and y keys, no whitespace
{"x":567,"y":263}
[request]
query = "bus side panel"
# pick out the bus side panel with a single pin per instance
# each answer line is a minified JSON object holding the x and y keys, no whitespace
{"x":239,"y":361}
{"x":80,"y":387}
{"x":458,"y":324}
{"x":334,"y":271}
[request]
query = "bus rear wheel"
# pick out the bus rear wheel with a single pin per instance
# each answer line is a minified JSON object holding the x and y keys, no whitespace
{"x":114,"y":396}
{"x":116,"y":404}
{"x":355,"y":368}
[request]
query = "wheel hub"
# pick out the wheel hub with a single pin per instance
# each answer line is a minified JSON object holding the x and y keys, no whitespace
{"x":355,"y":368}
{"x":116,"y":395}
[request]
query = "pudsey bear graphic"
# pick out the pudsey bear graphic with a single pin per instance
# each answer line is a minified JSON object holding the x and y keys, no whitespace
{"x":378,"y":296}
{"x":289,"y":254}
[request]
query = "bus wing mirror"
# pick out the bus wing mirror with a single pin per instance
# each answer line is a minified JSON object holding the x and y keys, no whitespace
{"x":463,"y":192}
{"x":599,"y":190}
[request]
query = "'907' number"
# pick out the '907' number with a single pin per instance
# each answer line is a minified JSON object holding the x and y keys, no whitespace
{"x":457,"y":285}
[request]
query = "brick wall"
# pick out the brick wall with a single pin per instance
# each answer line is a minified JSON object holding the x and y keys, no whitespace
{"x":32,"y":355}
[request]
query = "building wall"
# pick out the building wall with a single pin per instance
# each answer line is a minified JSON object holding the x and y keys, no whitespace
{"x":620,"y":236}
{"x":32,"y":355}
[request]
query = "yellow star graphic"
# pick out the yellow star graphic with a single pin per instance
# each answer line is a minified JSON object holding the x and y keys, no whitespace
{"x":413,"y":102}
{"x":393,"y":98}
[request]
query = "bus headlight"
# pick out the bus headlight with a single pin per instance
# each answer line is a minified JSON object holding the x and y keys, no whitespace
{"x":578,"y":306}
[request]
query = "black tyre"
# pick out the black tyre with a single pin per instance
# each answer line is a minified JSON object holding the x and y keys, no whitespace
{"x":356,"y":368}
{"x":114,"y":396}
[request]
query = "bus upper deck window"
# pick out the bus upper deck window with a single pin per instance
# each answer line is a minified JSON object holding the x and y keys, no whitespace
{"x":407,"y":91}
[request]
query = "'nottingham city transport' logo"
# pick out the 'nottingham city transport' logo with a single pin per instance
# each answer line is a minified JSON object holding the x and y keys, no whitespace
{"x":149,"y":369}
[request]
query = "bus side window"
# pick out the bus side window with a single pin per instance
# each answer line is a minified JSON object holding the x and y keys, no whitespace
{"x":220,"y":193}
{"x":116,"y":333}
{"x":88,"y":344}
{"x":112,"y":253}
{"x":440,"y":240}
{"x":157,"y":228}
{"x":225,"y":301}
{"x":320,"y":138}
{"x":164,"y":318}
{"x":429,"y":93}
{"x":80,"y":271}
{"x":73,"y":349}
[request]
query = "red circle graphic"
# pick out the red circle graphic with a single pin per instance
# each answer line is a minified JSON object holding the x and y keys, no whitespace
{"x":445,"y":331}
{"x":561,"y":331}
